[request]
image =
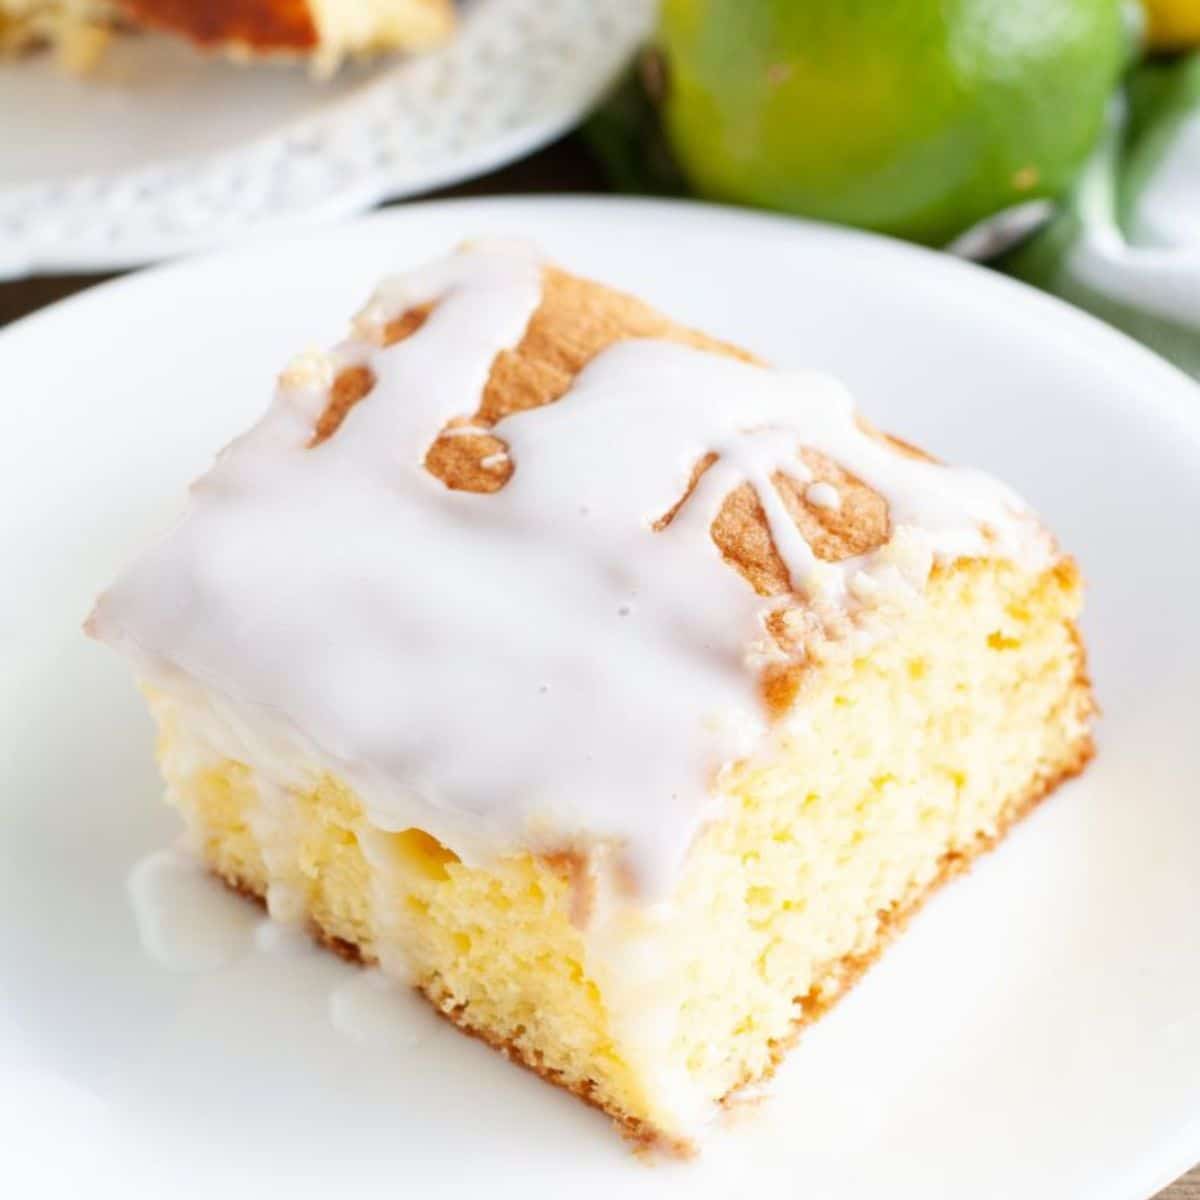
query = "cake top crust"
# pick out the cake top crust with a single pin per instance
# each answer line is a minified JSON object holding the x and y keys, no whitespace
{"x":530,"y":565}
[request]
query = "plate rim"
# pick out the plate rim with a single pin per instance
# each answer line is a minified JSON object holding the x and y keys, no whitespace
{"x":99,"y":221}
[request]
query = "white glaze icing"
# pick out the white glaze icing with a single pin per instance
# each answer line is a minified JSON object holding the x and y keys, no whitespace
{"x":387,"y":895}
{"x":823,"y":495}
{"x":538,"y":666}
{"x":186,"y":920}
{"x":284,"y":939}
{"x":373,"y":1008}
{"x":275,"y":823}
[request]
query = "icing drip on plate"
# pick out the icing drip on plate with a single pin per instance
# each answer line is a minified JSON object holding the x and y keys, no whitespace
{"x":190,"y":922}
{"x":554,"y":663}
{"x":186,"y":920}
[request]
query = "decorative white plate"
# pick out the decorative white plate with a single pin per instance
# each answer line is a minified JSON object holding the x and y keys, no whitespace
{"x":1036,"y":1033}
{"x":162,"y":151}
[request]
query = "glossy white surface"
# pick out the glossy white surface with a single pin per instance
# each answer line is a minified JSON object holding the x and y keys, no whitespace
{"x":161,"y":151}
{"x":1035,"y":1033}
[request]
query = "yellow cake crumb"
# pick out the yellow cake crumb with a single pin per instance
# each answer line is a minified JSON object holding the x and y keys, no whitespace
{"x":902,"y":765}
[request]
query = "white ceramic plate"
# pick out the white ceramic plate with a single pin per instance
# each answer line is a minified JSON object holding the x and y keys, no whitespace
{"x":162,"y":151}
{"x":1037,"y":1031}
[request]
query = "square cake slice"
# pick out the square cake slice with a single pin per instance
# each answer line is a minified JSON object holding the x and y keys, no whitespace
{"x":622,"y":693}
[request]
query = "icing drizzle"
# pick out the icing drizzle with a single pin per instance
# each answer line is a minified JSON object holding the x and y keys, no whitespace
{"x":544,"y":665}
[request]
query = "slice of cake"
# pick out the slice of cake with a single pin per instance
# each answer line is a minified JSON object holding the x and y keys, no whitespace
{"x":623,"y":694}
{"x":326,"y":31}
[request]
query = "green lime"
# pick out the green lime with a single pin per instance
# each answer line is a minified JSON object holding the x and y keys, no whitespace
{"x":914,"y":117}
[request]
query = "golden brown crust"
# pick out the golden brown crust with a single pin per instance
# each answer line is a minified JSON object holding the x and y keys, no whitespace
{"x":830,"y":987}
{"x":574,"y":321}
{"x":262,"y":25}
{"x":349,"y":387}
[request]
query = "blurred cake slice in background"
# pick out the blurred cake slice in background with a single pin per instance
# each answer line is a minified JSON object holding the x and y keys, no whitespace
{"x":77,"y":30}
{"x":325,"y":31}
{"x":622,"y":694}
{"x":328,"y":31}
